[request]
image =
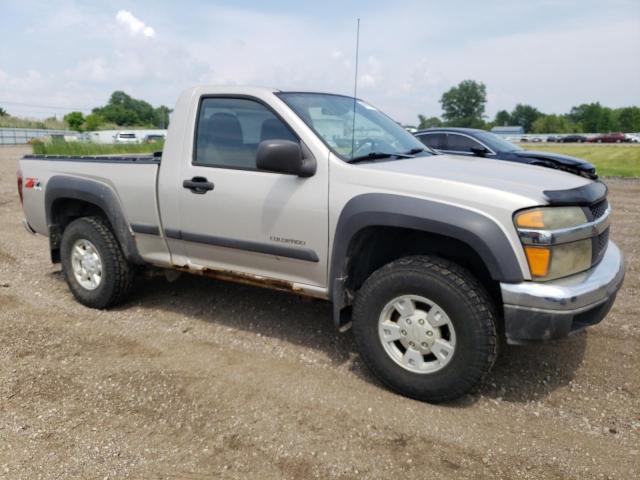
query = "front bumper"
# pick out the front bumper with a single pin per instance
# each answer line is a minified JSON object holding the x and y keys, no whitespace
{"x":536,"y":311}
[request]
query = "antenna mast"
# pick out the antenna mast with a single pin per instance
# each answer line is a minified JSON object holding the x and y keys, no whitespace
{"x":355,"y":92}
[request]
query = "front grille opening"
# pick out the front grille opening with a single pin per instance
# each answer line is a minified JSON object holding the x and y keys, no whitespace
{"x":598,"y":209}
{"x":599,"y":246}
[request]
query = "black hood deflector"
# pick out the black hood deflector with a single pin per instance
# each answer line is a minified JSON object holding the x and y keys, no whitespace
{"x":583,"y":196}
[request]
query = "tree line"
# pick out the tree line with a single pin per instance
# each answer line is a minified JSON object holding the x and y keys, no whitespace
{"x":121,"y":110}
{"x":464,"y":106}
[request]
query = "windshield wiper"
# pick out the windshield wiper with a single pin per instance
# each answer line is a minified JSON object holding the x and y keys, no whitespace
{"x":377,"y":156}
{"x":413,"y":151}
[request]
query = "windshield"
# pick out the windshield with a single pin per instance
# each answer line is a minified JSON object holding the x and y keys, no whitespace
{"x":332,"y":118}
{"x":496,"y":143}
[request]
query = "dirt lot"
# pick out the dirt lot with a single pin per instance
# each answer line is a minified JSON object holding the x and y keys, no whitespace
{"x":202,"y":379}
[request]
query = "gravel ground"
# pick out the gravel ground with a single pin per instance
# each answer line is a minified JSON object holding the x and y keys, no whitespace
{"x":203,"y":379}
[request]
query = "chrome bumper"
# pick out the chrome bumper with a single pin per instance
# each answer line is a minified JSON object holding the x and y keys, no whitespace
{"x":546,"y":310}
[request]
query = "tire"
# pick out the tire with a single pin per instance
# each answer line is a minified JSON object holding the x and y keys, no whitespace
{"x":114,"y":282}
{"x":467,"y":308}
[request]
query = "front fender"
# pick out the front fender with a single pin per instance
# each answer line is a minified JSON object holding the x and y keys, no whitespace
{"x":481,"y":233}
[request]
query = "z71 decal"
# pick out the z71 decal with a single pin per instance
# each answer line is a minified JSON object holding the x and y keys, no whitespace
{"x":32,"y":183}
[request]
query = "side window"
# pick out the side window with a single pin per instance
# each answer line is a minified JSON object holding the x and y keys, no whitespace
{"x":460,"y":143}
{"x":434,"y":140}
{"x":229,"y":130}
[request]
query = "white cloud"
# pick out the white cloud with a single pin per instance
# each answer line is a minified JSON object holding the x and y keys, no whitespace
{"x":552,"y":63}
{"x":134,"y":25}
{"x":367,"y":80}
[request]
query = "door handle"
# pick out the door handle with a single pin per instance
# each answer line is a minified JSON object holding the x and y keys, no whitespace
{"x":199,"y":185}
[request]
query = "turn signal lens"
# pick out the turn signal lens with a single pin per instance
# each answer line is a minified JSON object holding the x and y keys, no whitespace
{"x":539,"y":259}
{"x":530,"y":219}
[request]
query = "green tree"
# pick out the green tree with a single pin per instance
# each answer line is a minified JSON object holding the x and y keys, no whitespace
{"x":3,"y":112}
{"x":74,"y":120}
{"x":553,"y":124}
{"x":629,"y":119}
{"x":124,"y":110}
{"x":92,"y":122}
{"x":429,"y":122}
{"x":524,"y":115}
{"x":589,"y":116}
{"x":162,"y":116}
{"x":503,"y":118}
{"x":463,"y":105}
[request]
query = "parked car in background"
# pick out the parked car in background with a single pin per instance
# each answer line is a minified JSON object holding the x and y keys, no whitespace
{"x":554,"y":138}
{"x":633,"y":138}
{"x":574,"y":138}
{"x":609,"y":138}
{"x":480,"y":143}
{"x":126,"y":137}
{"x":153,"y":138}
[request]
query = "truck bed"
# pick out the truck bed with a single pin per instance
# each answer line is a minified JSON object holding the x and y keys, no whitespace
{"x":131,"y":178}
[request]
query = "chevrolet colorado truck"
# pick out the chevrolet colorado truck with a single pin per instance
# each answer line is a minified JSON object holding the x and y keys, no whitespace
{"x":431,"y":258}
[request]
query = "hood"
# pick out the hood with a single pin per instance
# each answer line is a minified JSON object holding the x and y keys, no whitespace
{"x":487,"y":180}
{"x":562,"y":162}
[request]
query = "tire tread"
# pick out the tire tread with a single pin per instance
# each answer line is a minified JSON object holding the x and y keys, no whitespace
{"x":472,"y":292}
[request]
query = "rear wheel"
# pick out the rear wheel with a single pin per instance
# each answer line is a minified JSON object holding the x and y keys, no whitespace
{"x":426,"y":328}
{"x":93,"y":264}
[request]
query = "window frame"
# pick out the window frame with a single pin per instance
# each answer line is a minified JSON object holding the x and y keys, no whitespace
{"x":232,"y":97}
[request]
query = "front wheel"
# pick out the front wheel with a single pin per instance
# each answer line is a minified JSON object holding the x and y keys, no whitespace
{"x":426,"y":328}
{"x":93,"y":264}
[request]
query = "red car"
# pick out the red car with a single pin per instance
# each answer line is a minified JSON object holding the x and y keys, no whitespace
{"x":609,"y":138}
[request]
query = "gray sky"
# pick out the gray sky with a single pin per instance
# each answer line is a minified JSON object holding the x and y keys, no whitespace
{"x":56,"y":56}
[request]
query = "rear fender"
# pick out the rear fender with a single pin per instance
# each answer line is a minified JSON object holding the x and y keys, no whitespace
{"x":62,"y":187}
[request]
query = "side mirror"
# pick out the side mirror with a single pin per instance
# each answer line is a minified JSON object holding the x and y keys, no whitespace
{"x":479,"y":151}
{"x":285,"y":156}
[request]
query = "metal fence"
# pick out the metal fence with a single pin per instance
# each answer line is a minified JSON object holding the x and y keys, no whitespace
{"x":21,"y":136}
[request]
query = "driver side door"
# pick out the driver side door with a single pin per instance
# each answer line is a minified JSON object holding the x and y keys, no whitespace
{"x":244,"y":220}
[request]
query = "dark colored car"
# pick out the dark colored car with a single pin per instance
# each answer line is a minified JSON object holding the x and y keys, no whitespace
{"x":573,"y":138}
{"x":610,"y":138}
{"x":480,"y":143}
{"x":153,"y":138}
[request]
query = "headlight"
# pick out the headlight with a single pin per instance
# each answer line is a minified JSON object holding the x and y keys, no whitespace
{"x":548,"y":259}
{"x":551,"y":218}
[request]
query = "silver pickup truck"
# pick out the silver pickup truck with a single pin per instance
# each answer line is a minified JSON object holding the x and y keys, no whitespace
{"x":432,"y":258}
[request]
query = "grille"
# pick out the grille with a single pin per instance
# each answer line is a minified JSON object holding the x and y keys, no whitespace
{"x":598,"y":246}
{"x":598,"y":209}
